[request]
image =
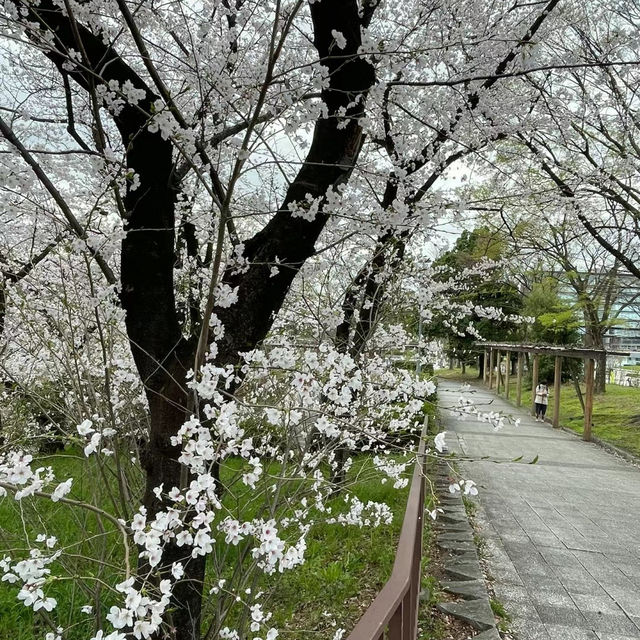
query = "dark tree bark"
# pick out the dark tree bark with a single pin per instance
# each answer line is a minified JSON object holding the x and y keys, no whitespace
{"x":600,"y":380}
{"x":329,"y":163}
{"x":576,"y":386}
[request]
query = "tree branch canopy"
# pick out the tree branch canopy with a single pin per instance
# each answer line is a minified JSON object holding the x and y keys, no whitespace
{"x":148,"y":257}
{"x":289,"y":239}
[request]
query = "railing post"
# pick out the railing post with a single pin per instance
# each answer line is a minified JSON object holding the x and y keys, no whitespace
{"x":395,"y":631}
{"x":588,"y":400}
{"x":534,"y":381}
{"x":415,"y":580}
{"x":519,"y":379}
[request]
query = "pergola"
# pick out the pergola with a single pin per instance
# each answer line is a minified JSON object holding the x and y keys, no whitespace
{"x":493,"y":354}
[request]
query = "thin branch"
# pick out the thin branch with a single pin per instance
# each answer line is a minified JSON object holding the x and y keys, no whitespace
{"x":73,"y":222}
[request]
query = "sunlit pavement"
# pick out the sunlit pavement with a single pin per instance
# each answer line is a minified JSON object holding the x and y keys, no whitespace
{"x":563,"y":535}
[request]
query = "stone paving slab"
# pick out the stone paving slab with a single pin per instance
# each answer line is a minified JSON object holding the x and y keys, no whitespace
{"x":563,"y":535}
{"x":475,"y":612}
{"x":489,"y":634}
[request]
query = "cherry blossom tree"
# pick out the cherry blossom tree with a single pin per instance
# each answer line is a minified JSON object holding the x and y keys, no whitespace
{"x":585,"y":144}
{"x":134,"y":104}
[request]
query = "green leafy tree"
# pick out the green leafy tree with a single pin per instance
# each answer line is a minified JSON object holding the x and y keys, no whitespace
{"x":556,"y":322}
{"x":473,"y":266}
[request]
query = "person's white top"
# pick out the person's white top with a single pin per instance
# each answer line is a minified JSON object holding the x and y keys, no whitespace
{"x":542,"y":394}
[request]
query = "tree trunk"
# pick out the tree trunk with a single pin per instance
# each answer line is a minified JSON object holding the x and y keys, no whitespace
{"x":600,"y":384}
{"x":167,"y":414}
{"x":594,"y":339}
{"x":576,"y":386}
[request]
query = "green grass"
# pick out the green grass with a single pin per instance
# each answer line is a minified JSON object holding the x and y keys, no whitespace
{"x":345,"y":568}
{"x":36,"y":515}
{"x":471,"y":373}
{"x":470,"y":506}
{"x":501,"y":614}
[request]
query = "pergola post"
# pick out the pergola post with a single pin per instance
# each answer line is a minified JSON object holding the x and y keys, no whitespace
{"x":534,"y":381}
{"x":557,"y":380}
{"x":493,"y":352}
{"x":486,"y":366}
{"x":519,"y":379}
{"x":491,"y":361}
{"x":588,"y":400}
{"x":507,"y":373}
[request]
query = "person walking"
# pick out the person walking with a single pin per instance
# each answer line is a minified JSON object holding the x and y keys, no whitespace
{"x":541,"y":400}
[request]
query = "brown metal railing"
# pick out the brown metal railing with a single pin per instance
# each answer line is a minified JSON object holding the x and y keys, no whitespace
{"x":393,"y":615}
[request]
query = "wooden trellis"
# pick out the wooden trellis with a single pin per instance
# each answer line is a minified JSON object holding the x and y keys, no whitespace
{"x":493,"y":352}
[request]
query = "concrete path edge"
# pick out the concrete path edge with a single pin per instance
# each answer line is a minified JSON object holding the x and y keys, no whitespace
{"x":461,"y":562}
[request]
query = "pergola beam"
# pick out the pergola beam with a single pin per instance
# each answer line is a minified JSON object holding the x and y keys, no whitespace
{"x":550,"y":350}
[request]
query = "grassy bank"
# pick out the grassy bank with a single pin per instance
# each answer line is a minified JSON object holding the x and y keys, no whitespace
{"x":346,"y":566}
{"x":345,"y":569}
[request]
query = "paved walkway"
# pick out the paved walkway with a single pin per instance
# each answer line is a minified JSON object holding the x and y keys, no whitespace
{"x":563,"y":535}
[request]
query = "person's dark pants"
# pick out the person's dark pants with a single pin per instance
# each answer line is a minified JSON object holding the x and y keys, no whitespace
{"x":541,"y":409}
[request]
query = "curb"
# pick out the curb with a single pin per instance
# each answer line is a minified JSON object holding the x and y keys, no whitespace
{"x":461,"y":563}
